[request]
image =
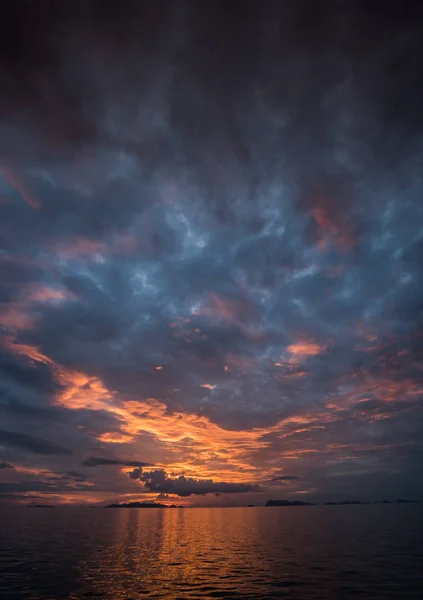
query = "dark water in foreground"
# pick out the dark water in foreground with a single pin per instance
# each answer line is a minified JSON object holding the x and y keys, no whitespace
{"x":304,"y":552}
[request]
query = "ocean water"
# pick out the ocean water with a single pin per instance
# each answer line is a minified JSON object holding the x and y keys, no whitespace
{"x":316,"y":552}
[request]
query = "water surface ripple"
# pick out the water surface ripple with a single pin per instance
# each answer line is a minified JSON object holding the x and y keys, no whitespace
{"x":327,"y":553}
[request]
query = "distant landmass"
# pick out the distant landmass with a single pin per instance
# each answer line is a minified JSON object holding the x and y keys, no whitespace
{"x":355,"y":502}
{"x":268,"y":503}
{"x":341,"y":503}
{"x":142,"y":505}
{"x":288,"y":503}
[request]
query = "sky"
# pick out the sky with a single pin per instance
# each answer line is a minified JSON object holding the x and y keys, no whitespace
{"x":211,"y":242}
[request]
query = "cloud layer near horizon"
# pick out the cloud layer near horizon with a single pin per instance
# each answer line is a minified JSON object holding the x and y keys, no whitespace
{"x":210,"y":252}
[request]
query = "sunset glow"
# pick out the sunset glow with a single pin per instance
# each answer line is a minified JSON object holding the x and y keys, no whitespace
{"x":210,"y":273}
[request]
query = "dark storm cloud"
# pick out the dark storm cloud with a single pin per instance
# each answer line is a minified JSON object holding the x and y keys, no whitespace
{"x":135,"y":474}
{"x":4,"y":465}
{"x":32,"y":444}
{"x":234,"y":201}
{"x":285,"y":478}
{"x":158,"y":481}
{"x":93,"y":461}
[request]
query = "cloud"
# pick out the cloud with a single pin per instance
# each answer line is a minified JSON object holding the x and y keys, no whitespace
{"x":243,"y":227}
{"x":158,"y":481}
{"x":11,"y":496}
{"x":32,"y":444}
{"x":4,"y":465}
{"x":94,"y":461}
{"x":135,"y":474}
{"x":49,"y":485}
{"x":75,"y":474}
{"x":285,"y":478}
{"x":165,"y":497}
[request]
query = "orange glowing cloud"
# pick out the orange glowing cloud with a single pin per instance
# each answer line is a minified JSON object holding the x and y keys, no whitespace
{"x":191,"y":443}
{"x":381,"y":389}
{"x":290,"y":374}
{"x":115,"y":438}
{"x":32,"y":353}
{"x":29,"y":471}
{"x":305,"y":349}
{"x":197,"y":444}
{"x":47,"y":294}
{"x":12,"y":318}
{"x":203,"y":447}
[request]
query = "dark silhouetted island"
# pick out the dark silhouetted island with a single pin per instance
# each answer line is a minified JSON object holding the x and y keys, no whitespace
{"x":39,"y":506}
{"x":288,"y":503}
{"x":344,"y":502}
{"x":141,"y":505}
{"x":339,"y":503}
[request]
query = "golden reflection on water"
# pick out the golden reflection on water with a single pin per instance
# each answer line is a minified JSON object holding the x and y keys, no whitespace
{"x":162,"y":552}
{"x":306,"y":553}
{"x":205,"y":553}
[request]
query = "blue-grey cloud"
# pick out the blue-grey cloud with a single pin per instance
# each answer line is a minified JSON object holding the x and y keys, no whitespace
{"x":32,"y":444}
{"x":226,"y":219}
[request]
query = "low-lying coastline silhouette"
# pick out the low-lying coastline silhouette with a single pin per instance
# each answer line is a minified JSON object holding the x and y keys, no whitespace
{"x":288,"y":503}
{"x":282,"y":502}
{"x":142,"y":505}
{"x":339,"y":503}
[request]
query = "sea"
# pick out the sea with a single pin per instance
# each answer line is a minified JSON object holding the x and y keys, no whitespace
{"x":308,"y":552}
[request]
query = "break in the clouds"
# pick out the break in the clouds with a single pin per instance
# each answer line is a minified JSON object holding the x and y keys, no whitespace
{"x":211,"y":233}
